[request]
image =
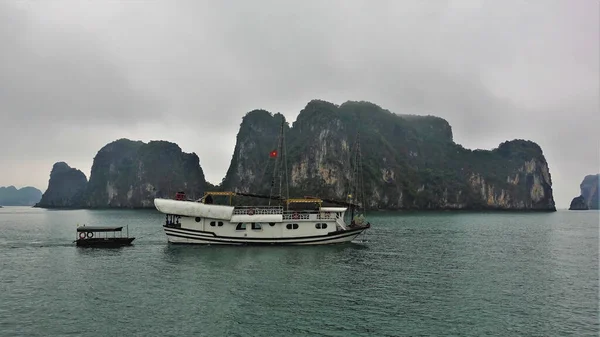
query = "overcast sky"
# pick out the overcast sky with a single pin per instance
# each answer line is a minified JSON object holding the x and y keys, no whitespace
{"x":75,"y":75}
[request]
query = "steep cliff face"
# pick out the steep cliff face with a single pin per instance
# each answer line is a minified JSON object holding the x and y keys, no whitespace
{"x":409,"y":162}
{"x":65,"y":187}
{"x":589,"y":197}
{"x":25,"y":196}
{"x":258,"y":134}
{"x":130,"y":174}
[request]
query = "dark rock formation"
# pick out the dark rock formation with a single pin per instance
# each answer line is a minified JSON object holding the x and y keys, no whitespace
{"x":130,"y":174}
{"x":589,"y":197}
{"x":26,"y":196}
{"x":409,"y":162}
{"x":578,"y":203}
{"x":66,"y":188}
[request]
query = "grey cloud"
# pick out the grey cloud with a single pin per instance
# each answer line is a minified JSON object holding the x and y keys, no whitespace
{"x":52,"y":74}
{"x":61,"y":97}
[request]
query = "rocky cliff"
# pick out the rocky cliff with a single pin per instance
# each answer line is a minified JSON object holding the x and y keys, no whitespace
{"x":589,"y":197}
{"x":126,"y":174}
{"x":130,"y":174}
{"x":25,"y":196}
{"x":66,"y":188}
{"x":409,"y":162}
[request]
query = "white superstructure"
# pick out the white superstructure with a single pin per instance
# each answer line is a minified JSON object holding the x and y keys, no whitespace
{"x":196,"y":222}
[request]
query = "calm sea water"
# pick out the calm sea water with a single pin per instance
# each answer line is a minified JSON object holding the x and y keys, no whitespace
{"x":461,"y":274}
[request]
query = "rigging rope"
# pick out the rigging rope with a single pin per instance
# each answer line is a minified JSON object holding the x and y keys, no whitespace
{"x":287,"y":185}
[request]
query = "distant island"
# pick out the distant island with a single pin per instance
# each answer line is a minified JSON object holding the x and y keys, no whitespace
{"x":409,"y":162}
{"x":26,"y":196}
{"x":588,"y":198}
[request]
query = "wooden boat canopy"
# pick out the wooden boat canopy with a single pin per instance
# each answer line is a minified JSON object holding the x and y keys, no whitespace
{"x":99,"y":229}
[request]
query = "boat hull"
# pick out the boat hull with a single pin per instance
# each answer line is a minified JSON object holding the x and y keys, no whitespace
{"x":189,"y":236}
{"x":104,"y":242}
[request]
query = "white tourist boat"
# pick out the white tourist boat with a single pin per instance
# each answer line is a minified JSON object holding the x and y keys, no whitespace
{"x":293,"y":221}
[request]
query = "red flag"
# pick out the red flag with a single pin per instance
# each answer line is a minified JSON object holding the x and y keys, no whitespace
{"x":273,"y":154}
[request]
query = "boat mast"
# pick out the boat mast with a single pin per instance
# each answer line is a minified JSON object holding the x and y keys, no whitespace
{"x":357,"y":183}
{"x":284,"y":158}
{"x":278,"y":168}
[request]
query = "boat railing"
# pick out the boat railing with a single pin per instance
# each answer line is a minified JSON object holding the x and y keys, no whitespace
{"x":264,"y":210}
{"x":287,"y":215}
{"x":326,"y":216}
{"x":297,"y":215}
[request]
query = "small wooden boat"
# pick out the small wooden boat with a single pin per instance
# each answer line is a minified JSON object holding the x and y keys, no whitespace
{"x":98,"y":236}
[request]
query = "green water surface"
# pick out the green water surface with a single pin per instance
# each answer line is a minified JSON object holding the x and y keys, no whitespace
{"x":418,"y":274}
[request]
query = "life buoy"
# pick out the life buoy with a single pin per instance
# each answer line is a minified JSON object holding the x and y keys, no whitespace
{"x":250,"y":211}
{"x":90,"y":235}
{"x":295,"y":216}
{"x":82,"y":235}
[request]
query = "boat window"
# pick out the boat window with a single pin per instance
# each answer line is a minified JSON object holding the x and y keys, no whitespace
{"x":213,"y":223}
{"x":240,"y":227}
{"x":256,"y":226}
{"x":318,"y":226}
{"x":198,"y":219}
{"x":271,"y":224}
{"x":288,"y":226}
{"x":324,"y":225}
{"x":295,"y":226}
{"x":220,"y":223}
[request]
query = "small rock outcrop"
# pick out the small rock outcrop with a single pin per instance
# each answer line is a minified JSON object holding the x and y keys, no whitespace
{"x":66,"y":188}
{"x":578,"y":204}
{"x":589,"y":197}
{"x":26,"y":196}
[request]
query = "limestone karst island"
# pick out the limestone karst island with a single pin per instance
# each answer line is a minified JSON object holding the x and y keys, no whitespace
{"x":26,"y":196}
{"x":410,"y":162}
{"x":588,"y":198}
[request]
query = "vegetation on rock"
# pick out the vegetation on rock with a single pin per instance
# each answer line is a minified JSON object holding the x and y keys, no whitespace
{"x":409,"y":162}
{"x":130,"y":174}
